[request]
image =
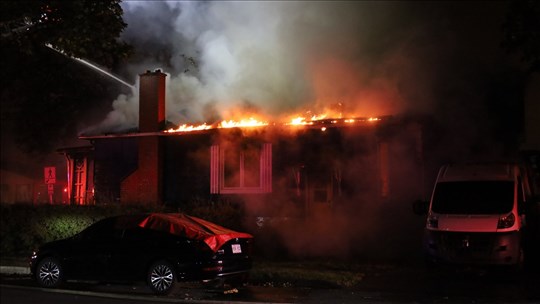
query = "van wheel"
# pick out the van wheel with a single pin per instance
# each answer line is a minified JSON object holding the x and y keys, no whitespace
{"x":161,"y":277}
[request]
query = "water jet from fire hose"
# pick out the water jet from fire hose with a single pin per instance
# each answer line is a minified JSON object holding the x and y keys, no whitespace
{"x":93,"y":66}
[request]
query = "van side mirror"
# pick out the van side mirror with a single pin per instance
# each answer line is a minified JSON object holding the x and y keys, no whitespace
{"x":420,"y":207}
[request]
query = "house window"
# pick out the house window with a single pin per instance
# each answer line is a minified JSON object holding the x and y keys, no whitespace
{"x":235,"y":169}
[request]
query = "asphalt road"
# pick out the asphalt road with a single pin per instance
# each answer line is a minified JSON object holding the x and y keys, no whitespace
{"x":29,"y":295}
{"x":400,"y":284}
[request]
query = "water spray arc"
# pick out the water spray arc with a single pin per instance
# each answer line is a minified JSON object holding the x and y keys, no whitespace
{"x":93,"y":66}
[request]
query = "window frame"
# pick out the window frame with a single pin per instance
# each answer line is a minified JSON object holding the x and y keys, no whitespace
{"x":217,"y":172}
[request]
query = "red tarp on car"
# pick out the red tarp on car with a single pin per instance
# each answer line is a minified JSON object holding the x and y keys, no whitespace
{"x":192,"y":227}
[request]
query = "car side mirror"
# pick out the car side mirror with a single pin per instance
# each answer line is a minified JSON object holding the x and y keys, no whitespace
{"x":420,"y":207}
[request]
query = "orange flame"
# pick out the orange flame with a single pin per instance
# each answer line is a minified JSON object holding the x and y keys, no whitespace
{"x":297,"y":120}
{"x":250,"y":122}
{"x":189,"y":128}
{"x":225,"y":124}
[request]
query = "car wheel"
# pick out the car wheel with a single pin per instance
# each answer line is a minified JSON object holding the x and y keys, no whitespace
{"x":161,"y":277}
{"x":49,"y":272}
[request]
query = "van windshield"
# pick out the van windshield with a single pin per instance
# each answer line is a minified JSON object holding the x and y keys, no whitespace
{"x":473,"y":197}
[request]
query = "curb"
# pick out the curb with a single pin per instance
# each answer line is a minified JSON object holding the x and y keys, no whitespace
{"x":14,"y":270}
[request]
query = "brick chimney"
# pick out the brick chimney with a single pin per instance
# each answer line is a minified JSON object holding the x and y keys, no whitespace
{"x":152,"y":101}
{"x":144,"y":185}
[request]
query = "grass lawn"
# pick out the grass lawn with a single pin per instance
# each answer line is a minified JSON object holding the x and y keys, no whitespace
{"x":312,"y":273}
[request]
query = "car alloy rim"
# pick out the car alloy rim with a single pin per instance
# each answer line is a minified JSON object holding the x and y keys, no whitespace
{"x":49,"y":273}
{"x":161,"y":277}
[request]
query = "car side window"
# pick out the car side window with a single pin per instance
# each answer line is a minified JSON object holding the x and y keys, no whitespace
{"x":140,"y":234}
{"x":102,"y":230}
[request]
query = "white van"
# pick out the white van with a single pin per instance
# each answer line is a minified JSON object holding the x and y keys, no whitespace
{"x":476,"y":215}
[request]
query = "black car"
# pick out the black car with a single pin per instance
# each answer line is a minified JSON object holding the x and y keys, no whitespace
{"x":161,"y":248}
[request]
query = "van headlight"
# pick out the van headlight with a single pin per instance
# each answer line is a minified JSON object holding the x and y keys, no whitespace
{"x":433,"y":221}
{"x":506,"y":221}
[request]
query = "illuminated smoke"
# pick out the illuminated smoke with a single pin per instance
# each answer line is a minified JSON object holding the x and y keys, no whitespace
{"x":275,"y":57}
{"x":271,"y":57}
{"x":369,"y":58}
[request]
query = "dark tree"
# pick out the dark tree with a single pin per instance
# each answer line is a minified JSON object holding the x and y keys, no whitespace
{"x":82,"y":28}
{"x":522,"y":32}
{"x":44,"y":93}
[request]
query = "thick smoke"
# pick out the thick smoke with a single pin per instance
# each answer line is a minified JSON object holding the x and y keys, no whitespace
{"x":282,"y":57}
{"x":366,"y":58}
{"x":278,"y":58}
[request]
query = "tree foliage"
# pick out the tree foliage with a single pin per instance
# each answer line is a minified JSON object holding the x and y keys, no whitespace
{"x":82,"y":28}
{"x":45,"y":93}
{"x":522,"y":32}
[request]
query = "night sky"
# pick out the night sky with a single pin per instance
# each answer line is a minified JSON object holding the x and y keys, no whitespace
{"x":434,"y":59}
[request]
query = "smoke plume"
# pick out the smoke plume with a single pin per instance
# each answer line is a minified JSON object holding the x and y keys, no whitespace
{"x":362,"y":59}
{"x":276,"y":57}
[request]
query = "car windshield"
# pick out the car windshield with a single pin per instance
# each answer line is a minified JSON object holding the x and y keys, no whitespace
{"x":473,"y":197}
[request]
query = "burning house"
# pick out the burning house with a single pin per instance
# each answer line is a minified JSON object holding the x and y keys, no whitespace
{"x":305,"y":167}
